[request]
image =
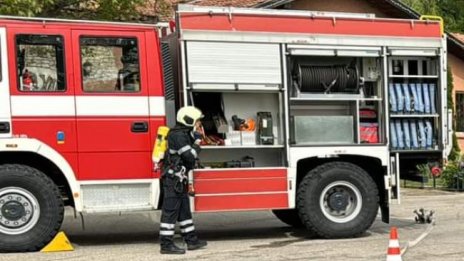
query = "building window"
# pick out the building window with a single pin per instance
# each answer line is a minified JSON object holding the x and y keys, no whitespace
{"x":40,"y":61}
{"x":110,"y":64}
{"x":460,"y":111}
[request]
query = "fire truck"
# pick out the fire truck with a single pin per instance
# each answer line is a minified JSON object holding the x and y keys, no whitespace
{"x":311,"y":115}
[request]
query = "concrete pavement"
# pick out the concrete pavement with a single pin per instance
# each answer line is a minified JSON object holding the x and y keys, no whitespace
{"x":260,"y":236}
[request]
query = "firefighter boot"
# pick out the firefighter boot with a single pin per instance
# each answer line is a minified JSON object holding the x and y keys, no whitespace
{"x":171,"y":249}
{"x":197,"y":244}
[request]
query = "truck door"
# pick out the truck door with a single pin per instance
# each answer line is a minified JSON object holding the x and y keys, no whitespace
{"x":112,"y":105}
{"x":41,"y":87}
{"x":5,"y":113}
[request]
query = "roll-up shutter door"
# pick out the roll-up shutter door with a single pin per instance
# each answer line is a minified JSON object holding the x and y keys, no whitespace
{"x":233,"y":63}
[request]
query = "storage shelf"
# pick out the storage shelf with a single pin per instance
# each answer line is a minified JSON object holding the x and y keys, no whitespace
{"x":243,"y":147}
{"x":414,"y":150}
{"x":239,"y":90}
{"x":414,"y":115}
{"x":414,"y":76}
{"x":334,"y":99}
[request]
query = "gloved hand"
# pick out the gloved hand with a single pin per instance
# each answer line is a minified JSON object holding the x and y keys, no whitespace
{"x":197,"y":137}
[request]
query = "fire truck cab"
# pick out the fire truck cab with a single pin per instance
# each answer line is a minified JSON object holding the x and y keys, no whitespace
{"x":341,"y":104}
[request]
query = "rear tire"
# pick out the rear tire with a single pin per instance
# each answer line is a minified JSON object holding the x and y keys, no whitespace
{"x":337,"y":200}
{"x":289,"y":217}
{"x":31,"y":209}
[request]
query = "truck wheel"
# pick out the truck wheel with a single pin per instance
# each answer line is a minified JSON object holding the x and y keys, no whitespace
{"x":289,"y":217}
{"x":337,"y":199}
{"x":31,"y":209}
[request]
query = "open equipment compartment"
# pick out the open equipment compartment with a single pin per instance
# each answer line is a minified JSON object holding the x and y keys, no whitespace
{"x":242,"y":148}
{"x":336,"y":95}
{"x":414,"y":103}
{"x":244,"y":81}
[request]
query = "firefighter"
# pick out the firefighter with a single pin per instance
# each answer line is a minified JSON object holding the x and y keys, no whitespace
{"x":180,"y":159}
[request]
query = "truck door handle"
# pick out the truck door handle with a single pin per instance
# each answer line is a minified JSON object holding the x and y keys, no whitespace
{"x":4,"y":127}
{"x":139,"y":126}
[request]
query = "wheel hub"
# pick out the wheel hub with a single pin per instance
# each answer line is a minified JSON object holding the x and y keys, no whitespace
{"x":13,"y":210}
{"x":338,"y":201}
{"x":18,"y":210}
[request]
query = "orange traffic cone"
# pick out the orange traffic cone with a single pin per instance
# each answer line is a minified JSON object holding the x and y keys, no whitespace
{"x":394,"y":252}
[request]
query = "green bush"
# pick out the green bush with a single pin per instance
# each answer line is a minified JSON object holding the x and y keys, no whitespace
{"x":450,"y":172}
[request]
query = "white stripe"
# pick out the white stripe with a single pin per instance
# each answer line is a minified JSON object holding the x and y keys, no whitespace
{"x":186,"y":222}
{"x":194,"y":152}
{"x":68,"y":105}
{"x":394,"y":258}
{"x":184,"y":149}
{"x":157,"y":106}
{"x":112,"y":106}
{"x":167,"y":225}
{"x":188,"y":229}
{"x":167,"y":232}
{"x":42,"y":105}
{"x":394,"y":243}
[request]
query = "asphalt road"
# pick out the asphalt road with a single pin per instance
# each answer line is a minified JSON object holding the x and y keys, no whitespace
{"x":260,"y":236}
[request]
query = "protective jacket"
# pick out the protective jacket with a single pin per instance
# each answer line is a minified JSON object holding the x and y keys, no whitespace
{"x":181,"y":147}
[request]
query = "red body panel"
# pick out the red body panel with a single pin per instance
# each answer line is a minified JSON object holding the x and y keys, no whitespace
{"x":307,"y":25}
{"x":114,"y":165}
{"x":240,"y":189}
{"x":46,"y":130}
{"x":241,"y":202}
{"x":111,"y":134}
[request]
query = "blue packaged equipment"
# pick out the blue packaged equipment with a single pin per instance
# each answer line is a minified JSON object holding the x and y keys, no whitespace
{"x":394,"y":141}
{"x":422,"y":137}
{"x":407,"y":137}
{"x":414,"y":138}
{"x":429,"y":133}
{"x":414,"y":96}
{"x":391,"y":92}
{"x":399,"y":97}
{"x":425,"y":91}
{"x":433,"y":99}
{"x":407,"y":98}
{"x":420,"y":100}
{"x":399,"y":134}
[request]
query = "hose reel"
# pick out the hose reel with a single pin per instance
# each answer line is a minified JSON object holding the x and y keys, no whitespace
{"x":327,"y":78}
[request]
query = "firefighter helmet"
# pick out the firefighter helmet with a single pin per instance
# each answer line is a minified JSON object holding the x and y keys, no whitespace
{"x":188,"y":115}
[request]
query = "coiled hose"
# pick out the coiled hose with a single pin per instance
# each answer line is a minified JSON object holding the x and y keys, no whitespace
{"x":323,"y":78}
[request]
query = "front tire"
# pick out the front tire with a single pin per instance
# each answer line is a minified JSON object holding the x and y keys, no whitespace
{"x":31,"y":209}
{"x":337,"y":200}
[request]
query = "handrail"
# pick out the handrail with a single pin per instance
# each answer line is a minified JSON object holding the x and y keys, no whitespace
{"x":436,"y":18}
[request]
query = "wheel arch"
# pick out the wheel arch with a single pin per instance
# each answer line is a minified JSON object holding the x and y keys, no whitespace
{"x":36,"y":154}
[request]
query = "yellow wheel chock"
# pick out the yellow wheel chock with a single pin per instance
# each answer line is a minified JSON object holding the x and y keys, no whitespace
{"x":58,"y":244}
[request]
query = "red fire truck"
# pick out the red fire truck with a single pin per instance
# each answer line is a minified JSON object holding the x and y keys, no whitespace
{"x":341,"y":102}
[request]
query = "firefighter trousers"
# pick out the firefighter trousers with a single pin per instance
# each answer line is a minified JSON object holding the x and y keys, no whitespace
{"x":176,"y":208}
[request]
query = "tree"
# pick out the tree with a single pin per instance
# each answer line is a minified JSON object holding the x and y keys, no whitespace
{"x":452,"y":11}
{"x":455,"y":151}
{"x":115,"y":10}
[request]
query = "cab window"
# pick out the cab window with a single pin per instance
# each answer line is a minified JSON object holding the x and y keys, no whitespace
{"x":110,"y":64}
{"x":40,"y":63}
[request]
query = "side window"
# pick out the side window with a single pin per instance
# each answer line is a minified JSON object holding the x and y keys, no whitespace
{"x":40,"y":61}
{"x":110,"y":64}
